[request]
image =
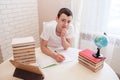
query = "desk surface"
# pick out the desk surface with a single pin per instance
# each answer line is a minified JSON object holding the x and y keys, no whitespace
{"x":67,"y":71}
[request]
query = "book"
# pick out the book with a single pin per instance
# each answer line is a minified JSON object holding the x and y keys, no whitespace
{"x":24,"y":54}
{"x":26,"y":62}
{"x":87,"y":53}
{"x":24,"y":50}
{"x":89,"y":64}
{"x":26,"y":58}
{"x":21,"y":74}
{"x":23,"y":47}
{"x":23,"y":41}
{"x":27,"y":72}
{"x":91,"y":68}
{"x":32,"y":68}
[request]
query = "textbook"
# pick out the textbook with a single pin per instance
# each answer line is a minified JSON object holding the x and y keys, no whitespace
{"x":87,"y":53}
{"x":25,"y":41}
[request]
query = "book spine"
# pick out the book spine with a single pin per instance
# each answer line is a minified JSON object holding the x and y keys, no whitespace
{"x":24,"y":54}
{"x":23,"y":47}
{"x":24,"y":50}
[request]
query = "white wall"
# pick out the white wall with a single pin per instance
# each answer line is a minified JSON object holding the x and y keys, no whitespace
{"x":18,"y":18}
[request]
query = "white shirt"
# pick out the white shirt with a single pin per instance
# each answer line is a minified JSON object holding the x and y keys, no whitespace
{"x":49,"y":34}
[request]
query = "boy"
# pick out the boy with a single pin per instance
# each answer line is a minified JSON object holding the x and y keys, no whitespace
{"x":59,"y":33}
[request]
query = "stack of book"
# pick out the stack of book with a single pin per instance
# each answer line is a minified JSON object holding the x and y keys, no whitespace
{"x":86,"y":59}
{"x":24,"y":50}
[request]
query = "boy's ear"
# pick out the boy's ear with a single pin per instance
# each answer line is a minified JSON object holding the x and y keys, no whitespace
{"x":56,"y":18}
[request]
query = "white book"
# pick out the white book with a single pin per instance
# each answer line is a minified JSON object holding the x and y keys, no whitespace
{"x":24,"y":47}
{"x":23,"y":41}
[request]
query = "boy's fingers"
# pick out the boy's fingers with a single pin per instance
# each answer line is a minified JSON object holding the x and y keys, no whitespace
{"x":61,"y":55}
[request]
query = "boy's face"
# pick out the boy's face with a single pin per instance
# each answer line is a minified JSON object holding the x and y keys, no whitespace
{"x":63,"y":21}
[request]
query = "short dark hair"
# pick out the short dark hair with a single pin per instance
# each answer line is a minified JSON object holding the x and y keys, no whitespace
{"x":66,"y":11}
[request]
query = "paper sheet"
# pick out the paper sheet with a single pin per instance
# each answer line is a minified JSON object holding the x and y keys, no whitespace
{"x":45,"y":61}
{"x":70,"y":54}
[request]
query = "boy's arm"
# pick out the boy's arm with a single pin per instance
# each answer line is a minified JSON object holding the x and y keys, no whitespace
{"x":58,"y":57}
{"x":66,"y":42}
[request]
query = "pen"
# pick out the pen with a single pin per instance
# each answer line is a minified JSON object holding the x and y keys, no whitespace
{"x":60,"y":56}
{"x":55,"y":51}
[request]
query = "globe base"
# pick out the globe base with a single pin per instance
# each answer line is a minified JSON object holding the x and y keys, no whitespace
{"x":97,"y":56}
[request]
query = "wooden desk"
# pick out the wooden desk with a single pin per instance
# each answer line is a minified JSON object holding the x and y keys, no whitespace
{"x":67,"y":71}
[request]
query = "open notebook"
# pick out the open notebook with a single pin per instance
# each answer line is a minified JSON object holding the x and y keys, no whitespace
{"x":45,"y":61}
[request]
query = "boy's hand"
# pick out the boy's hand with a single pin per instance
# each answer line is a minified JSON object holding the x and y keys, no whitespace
{"x":64,"y":32}
{"x":59,"y":57}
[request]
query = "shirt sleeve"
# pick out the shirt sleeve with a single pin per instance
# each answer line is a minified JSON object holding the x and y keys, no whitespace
{"x":45,"y":33}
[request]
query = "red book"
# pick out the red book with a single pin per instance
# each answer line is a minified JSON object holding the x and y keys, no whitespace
{"x":88,"y":55}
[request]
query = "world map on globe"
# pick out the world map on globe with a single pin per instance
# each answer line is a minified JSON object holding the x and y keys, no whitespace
{"x":101,"y":41}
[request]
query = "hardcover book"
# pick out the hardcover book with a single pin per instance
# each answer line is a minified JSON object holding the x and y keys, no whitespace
{"x":26,"y":41}
{"x":88,"y":55}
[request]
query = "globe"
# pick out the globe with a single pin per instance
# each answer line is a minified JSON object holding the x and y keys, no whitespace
{"x":100,"y":41}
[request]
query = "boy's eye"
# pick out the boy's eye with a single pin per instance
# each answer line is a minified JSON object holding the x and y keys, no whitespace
{"x":63,"y":20}
{"x":69,"y":21}
{"x":66,"y":21}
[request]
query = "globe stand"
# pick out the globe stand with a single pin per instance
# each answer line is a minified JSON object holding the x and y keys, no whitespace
{"x":98,"y":55}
